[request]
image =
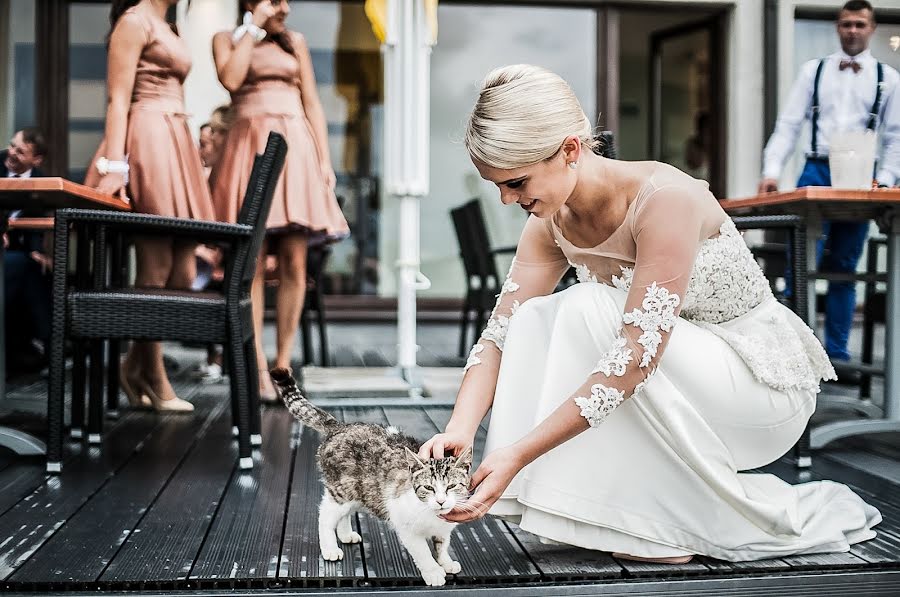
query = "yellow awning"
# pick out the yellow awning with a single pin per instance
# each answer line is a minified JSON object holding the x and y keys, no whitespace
{"x":376,"y":11}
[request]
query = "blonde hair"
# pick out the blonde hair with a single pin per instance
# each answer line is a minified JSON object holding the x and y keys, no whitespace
{"x":522,"y":116}
{"x":221,"y":119}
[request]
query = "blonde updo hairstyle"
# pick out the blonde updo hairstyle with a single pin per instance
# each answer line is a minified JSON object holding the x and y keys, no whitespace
{"x":522,"y":116}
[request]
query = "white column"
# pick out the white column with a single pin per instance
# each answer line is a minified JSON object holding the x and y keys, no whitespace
{"x":203,"y":92}
{"x":406,"y":71}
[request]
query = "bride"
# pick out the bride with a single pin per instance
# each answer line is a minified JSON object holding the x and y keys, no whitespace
{"x":623,"y":408}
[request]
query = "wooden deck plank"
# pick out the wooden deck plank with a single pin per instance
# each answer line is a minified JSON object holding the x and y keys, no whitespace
{"x":165,"y":543}
{"x":487,"y":552}
{"x":564,"y":562}
{"x":244,"y":541}
{"x":364,"y":414}
{"x":301,"y":562}
{"x":387,"y":561}
{"x":24,"y":477}
{"x":31,"y":522}
{"x":412,"y":421}
{"x":81,"y":549}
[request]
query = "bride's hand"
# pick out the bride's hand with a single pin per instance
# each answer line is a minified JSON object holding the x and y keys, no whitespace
{"x":489,"y":482}
{"x":446,"y":444}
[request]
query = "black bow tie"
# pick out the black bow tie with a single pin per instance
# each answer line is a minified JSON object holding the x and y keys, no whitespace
{"x":856,"y":66}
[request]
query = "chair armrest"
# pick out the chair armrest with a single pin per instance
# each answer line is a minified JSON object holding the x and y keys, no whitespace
{"x":767,"y":222}
{"x":502,"y":250}
{"x":199,"y":230}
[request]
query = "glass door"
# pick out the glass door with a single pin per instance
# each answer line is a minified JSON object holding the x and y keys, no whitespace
{"x":686,"y":114}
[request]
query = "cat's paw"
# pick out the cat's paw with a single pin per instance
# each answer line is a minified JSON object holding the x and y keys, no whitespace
{"x":451,"y":566}
{"x":352,"y":537}
{"x":435,"y":577}
{"x":332,"y":554}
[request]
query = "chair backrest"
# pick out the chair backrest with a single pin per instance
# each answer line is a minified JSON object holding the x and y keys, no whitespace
{"x":255,"y":211}
{"x":474,"y":243}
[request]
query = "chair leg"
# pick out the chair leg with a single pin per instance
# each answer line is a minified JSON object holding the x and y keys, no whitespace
{"x":253,"y":395}
{"x":306,"y":335}
{"x":79,"y":377}
{"x":113,"y":356}
{"x":56,"y":396}
{"x":324,"y":356}
{"x":464,"y":326}
{"x":242,"y":384}
{"x":95,"y":396}
{"x":802,"y":451}
{"x":234,"y":388}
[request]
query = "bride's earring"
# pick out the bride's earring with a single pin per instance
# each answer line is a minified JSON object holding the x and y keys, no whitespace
{"x":573,"y":165}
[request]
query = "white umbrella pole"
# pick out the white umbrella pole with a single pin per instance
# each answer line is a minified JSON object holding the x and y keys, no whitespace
{"x":407,"y":54}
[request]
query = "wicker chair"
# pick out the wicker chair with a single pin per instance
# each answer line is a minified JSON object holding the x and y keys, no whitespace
{"x":103,"y":311}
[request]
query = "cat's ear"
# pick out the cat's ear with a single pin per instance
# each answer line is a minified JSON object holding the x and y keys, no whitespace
{"x":464,"y":460}
{"x":413,"y":460}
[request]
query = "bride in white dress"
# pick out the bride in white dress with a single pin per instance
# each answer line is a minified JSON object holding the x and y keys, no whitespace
{"x":624,"y":407}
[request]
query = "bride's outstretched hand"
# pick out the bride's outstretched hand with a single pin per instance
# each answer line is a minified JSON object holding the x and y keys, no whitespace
{"x":488,"y":483}
{"x":448,"y":443}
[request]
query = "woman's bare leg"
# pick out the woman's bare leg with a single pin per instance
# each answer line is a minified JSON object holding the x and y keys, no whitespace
{"x":144,"y":362}
{"x":291,"y":293}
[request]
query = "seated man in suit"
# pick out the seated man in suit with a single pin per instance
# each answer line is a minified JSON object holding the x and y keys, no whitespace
{"x":26,"y":262}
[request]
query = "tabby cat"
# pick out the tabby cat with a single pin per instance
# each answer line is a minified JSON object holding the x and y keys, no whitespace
{"x":369,"y":467}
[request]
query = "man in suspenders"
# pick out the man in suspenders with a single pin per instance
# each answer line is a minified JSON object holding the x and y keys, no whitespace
{"x":846,"y":91}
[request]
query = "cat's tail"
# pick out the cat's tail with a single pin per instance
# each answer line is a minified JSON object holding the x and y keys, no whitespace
{"x":303,"y":410}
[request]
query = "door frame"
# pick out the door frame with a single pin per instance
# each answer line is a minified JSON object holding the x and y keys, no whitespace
{"x":718,"y":161}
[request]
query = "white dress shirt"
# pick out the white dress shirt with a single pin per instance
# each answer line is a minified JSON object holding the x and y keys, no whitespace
{"x":845,"y":99}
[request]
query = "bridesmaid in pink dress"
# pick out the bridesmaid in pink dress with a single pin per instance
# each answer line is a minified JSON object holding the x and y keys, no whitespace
{"x":269,"y":72}
{"x":146,"y":127}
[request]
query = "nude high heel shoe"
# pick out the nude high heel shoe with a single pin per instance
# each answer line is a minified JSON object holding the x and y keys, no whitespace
{"x":175,"y":405}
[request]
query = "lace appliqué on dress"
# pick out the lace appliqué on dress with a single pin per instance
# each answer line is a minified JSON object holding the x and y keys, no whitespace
{"x":497,"y":325}
{"x":616,"y":359}
{"x":473,"y":359}
{"x":658,"y":314}
{"x":583,"y":273}
{"x":601,"y":403}
{"x":726,"y":281}
{"x":623,"y":282}
{"x":640,"y":387}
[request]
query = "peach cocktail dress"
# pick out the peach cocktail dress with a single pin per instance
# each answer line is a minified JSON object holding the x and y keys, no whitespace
{"x":166,"y":176}
{"x":269,"y":100}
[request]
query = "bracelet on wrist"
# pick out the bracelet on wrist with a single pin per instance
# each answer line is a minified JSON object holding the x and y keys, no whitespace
{"x":106,"y":166}
{"x":248,"y":27}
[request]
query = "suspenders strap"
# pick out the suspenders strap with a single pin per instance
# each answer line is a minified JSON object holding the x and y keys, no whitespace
{"x":815,"y":108}
{"x":876,"y":107}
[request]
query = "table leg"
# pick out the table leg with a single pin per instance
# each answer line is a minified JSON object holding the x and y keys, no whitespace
{"x":17,"y":441}
{"x":813,"y":233}
{"x":825,"y":434}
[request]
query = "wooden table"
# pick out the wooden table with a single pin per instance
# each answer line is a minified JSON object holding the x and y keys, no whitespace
{"x":816,"y":204}
{"x":39,"y":193}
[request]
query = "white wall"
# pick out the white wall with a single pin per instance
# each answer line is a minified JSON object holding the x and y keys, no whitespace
{"x":202,"y":90}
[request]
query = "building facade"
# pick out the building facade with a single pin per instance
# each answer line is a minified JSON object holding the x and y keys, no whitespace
{"x":694,"y":83}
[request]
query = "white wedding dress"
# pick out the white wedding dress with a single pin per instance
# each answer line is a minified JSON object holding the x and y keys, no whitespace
{"x":688,"y":370}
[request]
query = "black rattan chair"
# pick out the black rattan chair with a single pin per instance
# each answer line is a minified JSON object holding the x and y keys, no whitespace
{"x":109,"y":312}
{"x":482,"y":278}
{"x":795,"y":227}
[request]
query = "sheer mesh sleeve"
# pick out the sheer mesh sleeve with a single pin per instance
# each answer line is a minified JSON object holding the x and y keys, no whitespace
{"x":537,"y":268}
{"x":667,"y":230}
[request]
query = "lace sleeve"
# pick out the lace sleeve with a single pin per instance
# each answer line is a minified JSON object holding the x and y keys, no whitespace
{"x":667,"y":232}
{"x":538,"y":266}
